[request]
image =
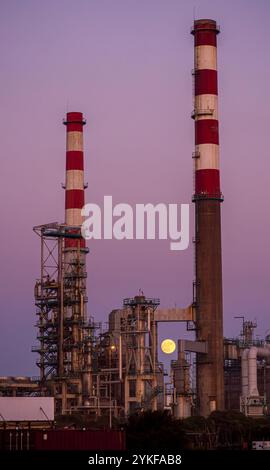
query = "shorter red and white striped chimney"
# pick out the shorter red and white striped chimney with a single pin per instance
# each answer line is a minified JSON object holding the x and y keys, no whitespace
{"x":74,"y":185}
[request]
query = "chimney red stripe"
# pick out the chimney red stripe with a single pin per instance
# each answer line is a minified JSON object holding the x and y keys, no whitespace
{"x":206,"y":132}
{"x":206,"y":82}
{"x":74,"y":160}
{"x":73,"y":243}
{"x":207,"y":182}
{"x":74,"y":126}
{"x":74,"y":122}
{"x":74,"y":199}
{"x":205,"y":38}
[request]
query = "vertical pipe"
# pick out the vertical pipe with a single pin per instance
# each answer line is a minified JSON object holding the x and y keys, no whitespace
{"x":207,"y":199}
{"x":244,"y":372}
{"x":252,"y":372}
{"x":120,"y":358}
{"x":61,"y":308}
{"x":154,"y":358}
{"x":110,"y":388}
{"x":41,"y":320}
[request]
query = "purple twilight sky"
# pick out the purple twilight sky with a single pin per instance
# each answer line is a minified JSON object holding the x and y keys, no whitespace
{"x":126,"y":65}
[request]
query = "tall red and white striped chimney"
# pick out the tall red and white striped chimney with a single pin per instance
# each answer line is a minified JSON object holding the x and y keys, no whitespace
{"x":207,"y":198}
{"x":74,"y":186}
{"x":207,"y":181}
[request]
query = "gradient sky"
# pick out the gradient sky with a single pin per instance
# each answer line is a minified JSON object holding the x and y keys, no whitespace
{"x":126,"y":65}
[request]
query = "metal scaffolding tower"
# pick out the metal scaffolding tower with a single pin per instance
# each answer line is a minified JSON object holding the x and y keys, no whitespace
{"x":65,"y":334}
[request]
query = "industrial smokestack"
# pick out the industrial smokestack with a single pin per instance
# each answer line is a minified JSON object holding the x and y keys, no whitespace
{"x":75,"y":250}
{"x":207,"y":199}
{"x":74,"y":186}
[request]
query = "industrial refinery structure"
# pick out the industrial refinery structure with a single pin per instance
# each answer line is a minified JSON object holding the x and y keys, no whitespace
{"x":115,"y":372}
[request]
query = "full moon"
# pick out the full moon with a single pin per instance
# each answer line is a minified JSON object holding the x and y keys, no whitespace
{"x":168,"y":346}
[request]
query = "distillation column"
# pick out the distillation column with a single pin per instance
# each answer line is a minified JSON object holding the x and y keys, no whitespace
{"x":207,"y":199}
